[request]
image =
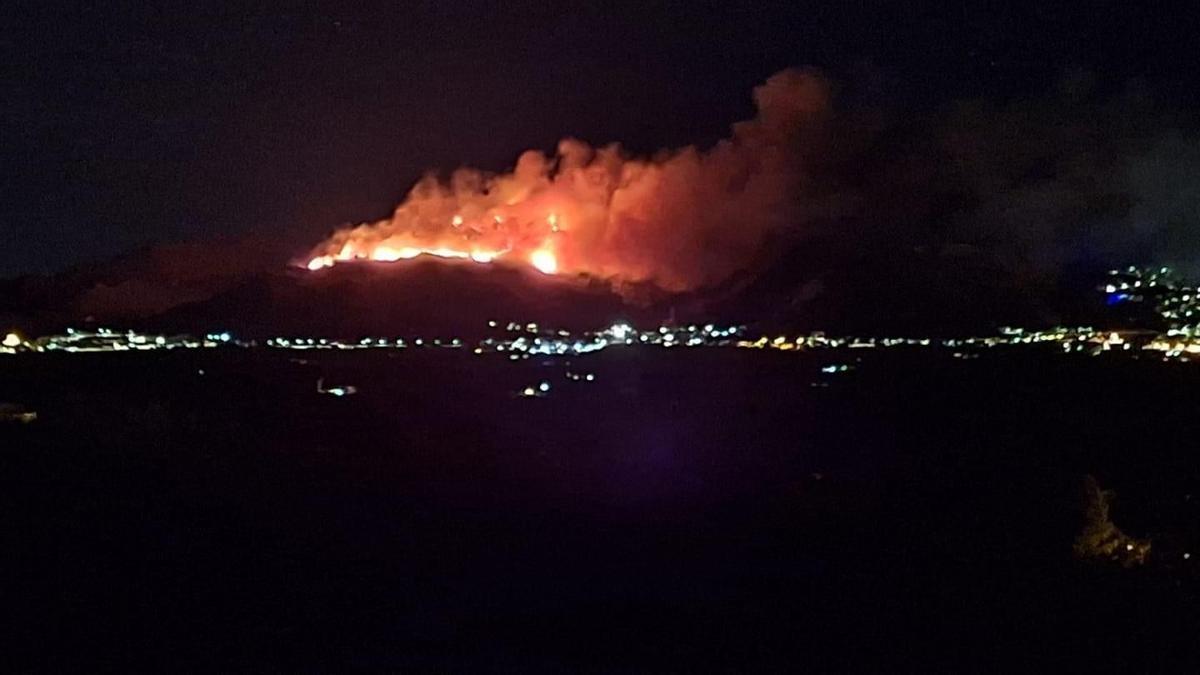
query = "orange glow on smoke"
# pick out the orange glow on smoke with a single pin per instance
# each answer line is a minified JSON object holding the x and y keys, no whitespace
{"x":679,"y":220}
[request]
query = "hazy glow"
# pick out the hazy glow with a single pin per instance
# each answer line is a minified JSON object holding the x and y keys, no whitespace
{"x":544,"y":260}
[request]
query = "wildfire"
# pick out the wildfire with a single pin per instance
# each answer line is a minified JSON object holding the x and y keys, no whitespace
{"x":396,"y":248}
{"x":385,"y":253}
{"x":544,"y":261}
{"x":681,"y":220}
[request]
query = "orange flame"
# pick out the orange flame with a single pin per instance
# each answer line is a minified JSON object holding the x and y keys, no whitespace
{"x":682,"y":220}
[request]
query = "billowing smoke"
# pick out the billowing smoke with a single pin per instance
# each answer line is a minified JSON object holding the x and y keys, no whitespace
{"x":1081,"y":178}
{"x":873,"y":209}
{"x":684,"y":219}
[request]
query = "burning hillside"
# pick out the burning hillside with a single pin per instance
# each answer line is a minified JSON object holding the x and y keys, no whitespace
{"x":683,"y":220}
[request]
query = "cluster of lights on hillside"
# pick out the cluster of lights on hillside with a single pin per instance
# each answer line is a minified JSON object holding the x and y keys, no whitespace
{"x":1176,"y":305}
{"x":108,"y":340}
{"x":524,"y":340}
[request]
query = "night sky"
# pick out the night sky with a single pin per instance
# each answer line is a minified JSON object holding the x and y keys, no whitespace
{"x":132,"y":123}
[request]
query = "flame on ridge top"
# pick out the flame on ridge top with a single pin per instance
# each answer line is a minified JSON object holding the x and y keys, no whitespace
{"x":680,"y":220}
{"x":543,"y":258}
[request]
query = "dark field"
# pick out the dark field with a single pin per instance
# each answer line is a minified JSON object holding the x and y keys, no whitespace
{"x":688,"y":510}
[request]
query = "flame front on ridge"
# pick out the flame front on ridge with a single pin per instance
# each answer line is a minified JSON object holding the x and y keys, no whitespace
{"x":682,"y":220}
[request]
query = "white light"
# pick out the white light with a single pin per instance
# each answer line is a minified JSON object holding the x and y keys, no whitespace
{"x":12,"y":340}
{"x":619,"y":330}
{"x":544,"y":386}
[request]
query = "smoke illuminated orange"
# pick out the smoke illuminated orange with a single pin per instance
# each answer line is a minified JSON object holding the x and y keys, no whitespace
{"x":682,"y":220}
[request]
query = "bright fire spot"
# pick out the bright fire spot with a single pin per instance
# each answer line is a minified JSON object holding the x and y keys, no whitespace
{"x":320,"y":261}
{"x":12,"y":340}
{"x":544,"y":261}
{"x":392,"y":254}
{"x":388,"y":254}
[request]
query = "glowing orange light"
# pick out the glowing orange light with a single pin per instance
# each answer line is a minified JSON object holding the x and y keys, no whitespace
{"x":389,"y":254}
{"x":544,"y":261}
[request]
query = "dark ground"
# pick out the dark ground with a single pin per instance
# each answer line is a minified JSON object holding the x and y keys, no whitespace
{"x":690,"y":510}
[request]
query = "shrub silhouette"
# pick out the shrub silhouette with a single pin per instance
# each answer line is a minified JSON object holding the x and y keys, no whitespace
{"x":1101,"y":539}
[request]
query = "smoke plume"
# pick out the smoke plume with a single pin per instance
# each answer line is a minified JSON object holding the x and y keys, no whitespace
{"x":682,"y":220}
{"x":1076,"y":178}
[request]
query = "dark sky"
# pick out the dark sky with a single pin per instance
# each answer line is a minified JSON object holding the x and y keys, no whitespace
{"x":130,"y":123}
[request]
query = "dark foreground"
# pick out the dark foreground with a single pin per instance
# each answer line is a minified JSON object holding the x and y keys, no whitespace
{"x":688,"y":510}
